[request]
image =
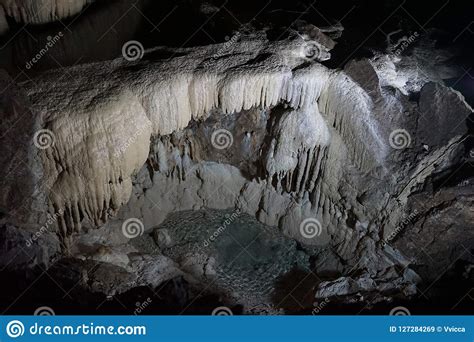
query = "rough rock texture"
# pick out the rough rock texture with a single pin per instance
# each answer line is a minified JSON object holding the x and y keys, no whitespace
{"x":425,"y":237}
{"x":169,"y":101}
{"x":41,"y":11}
{"x":53,"y":44}
{"x":409,"y":73}
{"x":333,"y":159}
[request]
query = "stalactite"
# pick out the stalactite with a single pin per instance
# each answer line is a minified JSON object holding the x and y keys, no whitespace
{"x":126,"y":106}
{"x":350,"y":111}
{"x":42,"y":11}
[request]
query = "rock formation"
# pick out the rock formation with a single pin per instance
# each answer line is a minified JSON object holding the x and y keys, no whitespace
{"x":331,"y":159}
{"x":40,"y":11}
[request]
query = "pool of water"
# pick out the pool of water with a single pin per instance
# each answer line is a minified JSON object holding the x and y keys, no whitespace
{"x":232,"y":253}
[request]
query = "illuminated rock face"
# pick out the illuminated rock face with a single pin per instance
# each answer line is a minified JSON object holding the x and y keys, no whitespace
{"x":41,"y":11}
{"x":254,"y":125}
{"x":92,"y":119}
{"x":101,"y":119}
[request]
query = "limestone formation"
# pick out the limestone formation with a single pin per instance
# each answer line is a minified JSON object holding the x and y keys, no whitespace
{"x":329,"y":160}
{"x":41,"y":11}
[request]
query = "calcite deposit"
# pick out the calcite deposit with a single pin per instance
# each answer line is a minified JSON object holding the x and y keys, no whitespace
{"x":40,"y":11}
{"x":331,"y":162}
